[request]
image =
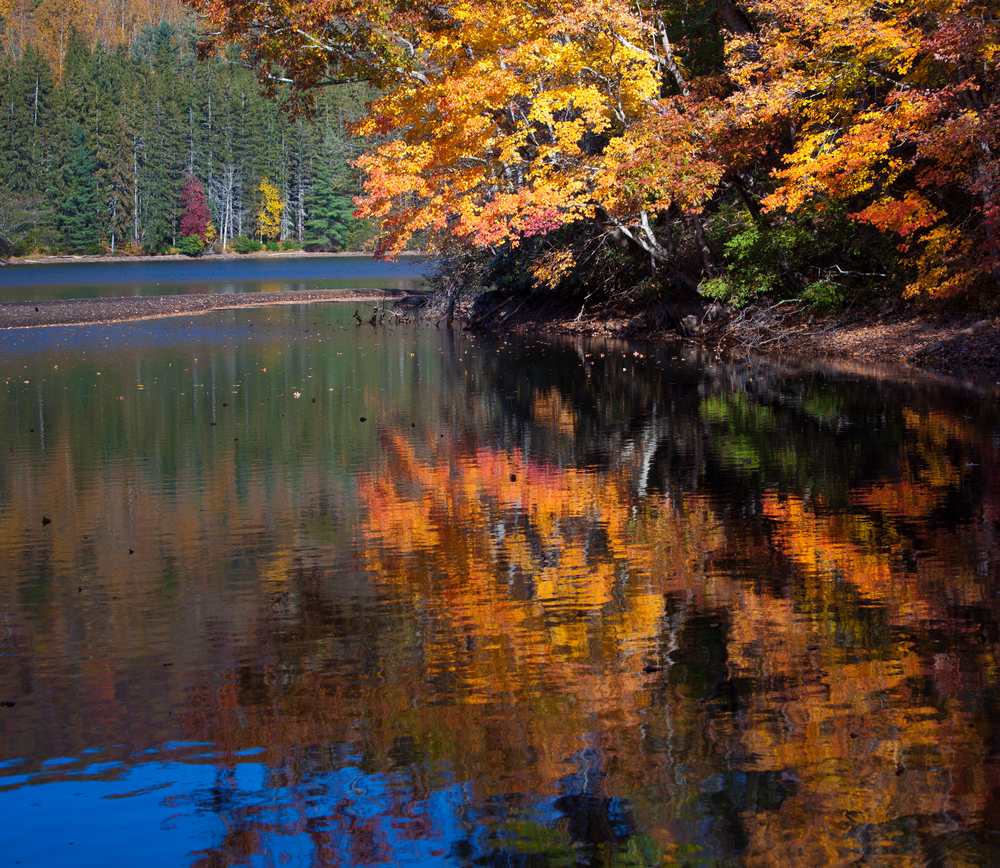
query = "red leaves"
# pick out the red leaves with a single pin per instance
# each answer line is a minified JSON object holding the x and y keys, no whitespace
{"x":195,"y":216}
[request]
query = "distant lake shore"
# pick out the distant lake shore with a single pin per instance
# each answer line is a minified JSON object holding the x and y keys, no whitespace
{"x":180,"y":257}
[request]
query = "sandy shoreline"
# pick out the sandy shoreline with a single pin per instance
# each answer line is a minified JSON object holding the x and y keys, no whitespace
{"x":82,"y":311}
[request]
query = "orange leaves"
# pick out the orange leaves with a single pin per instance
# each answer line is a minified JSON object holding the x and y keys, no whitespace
{"x":505,"y":119}
{"x":901,"y":216}
{"x":893,"y":108}
{"x":659,"y":160}
{"x":502,"y":137}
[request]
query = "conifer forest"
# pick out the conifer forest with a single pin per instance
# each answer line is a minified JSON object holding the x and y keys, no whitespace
{"x":141,"y":147}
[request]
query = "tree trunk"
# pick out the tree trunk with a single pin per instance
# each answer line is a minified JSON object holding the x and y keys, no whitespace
{"x":736,"y":20}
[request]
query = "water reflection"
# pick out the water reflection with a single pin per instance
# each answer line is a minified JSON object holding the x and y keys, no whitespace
{"x":316,"y":594}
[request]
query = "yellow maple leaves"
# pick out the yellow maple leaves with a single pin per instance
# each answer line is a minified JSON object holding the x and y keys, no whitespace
{"x":503,"y":136}
{"x":270,"y":211}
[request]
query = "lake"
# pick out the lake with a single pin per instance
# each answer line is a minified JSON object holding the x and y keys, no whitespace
{"x":278,"y":589}
{"x":278,"y":273}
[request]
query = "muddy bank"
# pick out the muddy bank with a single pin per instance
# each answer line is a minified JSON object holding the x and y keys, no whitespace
{"x":80,"y":311}
{"x":965,"y":345}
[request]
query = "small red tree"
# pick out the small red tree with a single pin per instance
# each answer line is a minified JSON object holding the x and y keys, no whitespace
{"x":195,"y":216}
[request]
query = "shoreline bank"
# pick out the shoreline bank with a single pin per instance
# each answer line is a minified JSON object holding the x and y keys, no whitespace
{"x":965,"y":347}
{"x":89,"y":311}
{"x":962,"y":346}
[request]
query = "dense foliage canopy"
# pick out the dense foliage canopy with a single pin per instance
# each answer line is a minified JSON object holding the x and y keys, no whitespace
{"x":810,"y":143}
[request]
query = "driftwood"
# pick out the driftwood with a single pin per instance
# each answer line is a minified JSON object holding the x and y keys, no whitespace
{"x":765,"y":328}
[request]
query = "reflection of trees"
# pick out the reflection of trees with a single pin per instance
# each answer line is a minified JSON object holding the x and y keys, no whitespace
{"x":824,"y":609}
{"x":652,"y":614}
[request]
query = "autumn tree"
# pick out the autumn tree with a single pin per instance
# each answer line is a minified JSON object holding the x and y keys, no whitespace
{"x":504,"y":122}
{"x":895,"y":116}
{"x":507,"y":121}
{"x":195,"y":216}
{"x":269,"y":211}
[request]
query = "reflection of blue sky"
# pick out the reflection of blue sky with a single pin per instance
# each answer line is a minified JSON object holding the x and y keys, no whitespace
{"x":169,"y":811}
{"x":182,"y":803}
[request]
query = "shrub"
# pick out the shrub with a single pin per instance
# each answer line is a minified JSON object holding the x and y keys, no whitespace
{"x":273,"y":246}
{"x":242,"y":244}
{"x":824,"y":296}
{"x":191,"y":245}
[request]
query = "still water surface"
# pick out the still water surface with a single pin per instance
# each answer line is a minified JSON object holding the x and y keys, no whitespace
{"x":279,"y":590}
{"x":44,"y":281}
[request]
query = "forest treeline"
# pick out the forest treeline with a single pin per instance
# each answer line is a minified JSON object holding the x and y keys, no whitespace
{"x":46,"y":24}
{"x":819,"y":148}
{"x":144,"y":147}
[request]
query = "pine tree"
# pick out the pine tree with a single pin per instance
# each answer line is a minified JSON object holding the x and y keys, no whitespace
{"x":160,"y":147}
{"x":31,"y":124}
{"x":77,"y":217}
{"x":330,"y":211}
{"x":116,"y":174}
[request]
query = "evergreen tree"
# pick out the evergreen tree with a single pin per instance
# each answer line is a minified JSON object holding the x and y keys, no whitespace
{"x":77,"y":216}
{"x":116,"y":175}
{"x":29,"y":123}
{"x":160,"y":152}
{"x":79,"y":84}
{"x":145,"y":117}
{"x":330,"y":211}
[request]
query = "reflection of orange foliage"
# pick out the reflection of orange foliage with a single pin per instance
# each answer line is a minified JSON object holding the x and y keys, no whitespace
{"x":905,"y":499}
{"x":825,"y":545}
{"x":521,"y":603}
{"x":853,"y":726}
{"x":925,"y":476}
{"x":550,"y":411}
{"x":541,"y":585}
{"x":851,"y":729}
